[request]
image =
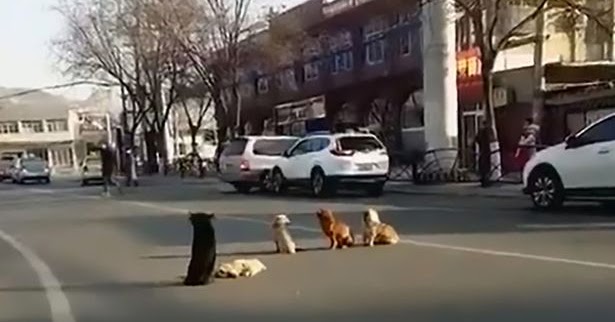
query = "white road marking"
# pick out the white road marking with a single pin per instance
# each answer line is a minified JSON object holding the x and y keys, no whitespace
{"x":58,"y":302}
{"x":417,"y":243}
{"x":595,"y":225}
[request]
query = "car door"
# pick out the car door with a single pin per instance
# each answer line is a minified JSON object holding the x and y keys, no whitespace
{"x":589,"y":159}
{"x":296,"y":159}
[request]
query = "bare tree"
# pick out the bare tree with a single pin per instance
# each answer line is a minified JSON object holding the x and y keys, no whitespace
{"x":93,"y":47}
{"x":195,"y":108}
{"x":124,"y":40}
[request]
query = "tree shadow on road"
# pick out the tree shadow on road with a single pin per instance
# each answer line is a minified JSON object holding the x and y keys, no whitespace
{"x":235,"y":254}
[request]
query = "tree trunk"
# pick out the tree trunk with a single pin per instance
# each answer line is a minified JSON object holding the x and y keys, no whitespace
{"x":490,"y":117}
{"x":162,"y":149}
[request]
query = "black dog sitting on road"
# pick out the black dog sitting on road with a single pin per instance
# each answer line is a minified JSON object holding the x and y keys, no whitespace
{"x":203,"y":259}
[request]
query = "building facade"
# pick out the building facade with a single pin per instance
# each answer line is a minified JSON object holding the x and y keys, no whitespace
{"x":61,"y":132}
{"x":366,"y":59}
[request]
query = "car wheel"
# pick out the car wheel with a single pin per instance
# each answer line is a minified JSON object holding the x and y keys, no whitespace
{"x":376,"y":189}
{"x":266,"y":182}
{"x":320,"y":185}
{"x":242,"y":187}
{"x":546,"y":189}
{"x":278,"y":184}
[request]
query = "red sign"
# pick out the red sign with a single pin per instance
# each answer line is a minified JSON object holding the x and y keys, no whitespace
{"x":468,"y":64}
{"x":469,"y":79}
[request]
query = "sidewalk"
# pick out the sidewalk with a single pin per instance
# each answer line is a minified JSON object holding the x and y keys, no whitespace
{"x":472,"y":189}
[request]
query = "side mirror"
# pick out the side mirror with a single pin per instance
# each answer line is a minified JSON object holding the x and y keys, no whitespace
{"x":286,"y":154}
{"x":572,"y":142}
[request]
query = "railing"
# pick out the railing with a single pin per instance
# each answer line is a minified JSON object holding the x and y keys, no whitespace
{"x":444,"y":165}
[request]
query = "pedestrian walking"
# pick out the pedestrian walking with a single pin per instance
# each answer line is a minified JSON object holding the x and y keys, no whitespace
{"x":107,"y":156}
{"x":526,"y":148}
{"x":483,"y":140}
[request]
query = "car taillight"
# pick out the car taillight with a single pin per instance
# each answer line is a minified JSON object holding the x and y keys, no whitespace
{"x":244,"y":165}
{"x":342,"y":153}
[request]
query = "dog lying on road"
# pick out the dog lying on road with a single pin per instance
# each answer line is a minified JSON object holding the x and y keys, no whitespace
{"x":281,"y":236}
{"x":240,"y":267}
{"x":376,"y":232}
{"x":338,"y":233}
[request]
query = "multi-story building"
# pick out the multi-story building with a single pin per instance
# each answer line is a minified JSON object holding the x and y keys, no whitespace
{"x":54,"y":129}
{"x":364,"y":59}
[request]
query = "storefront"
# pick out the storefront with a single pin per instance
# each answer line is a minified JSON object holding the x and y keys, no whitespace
{"x":301,"y":117}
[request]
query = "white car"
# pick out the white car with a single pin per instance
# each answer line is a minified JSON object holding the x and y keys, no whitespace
{"x":91,"y":170}
{"x":324,"y":162}
{"x":246,"y":162}
{"x":582,"y":167}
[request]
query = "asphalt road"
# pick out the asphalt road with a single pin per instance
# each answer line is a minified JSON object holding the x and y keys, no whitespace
{"x":66,"y":254}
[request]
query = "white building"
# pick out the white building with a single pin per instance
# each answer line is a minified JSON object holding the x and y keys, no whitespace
{"x":50,"y":127}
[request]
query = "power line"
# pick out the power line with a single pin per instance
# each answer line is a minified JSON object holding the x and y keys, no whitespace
{"x":46,"y":88}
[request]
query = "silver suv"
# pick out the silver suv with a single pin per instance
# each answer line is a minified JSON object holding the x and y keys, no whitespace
{"x":246,"y":161}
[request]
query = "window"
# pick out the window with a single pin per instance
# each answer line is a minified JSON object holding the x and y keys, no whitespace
{"x":373,"y":36}
{"x":236,"y":147}
{"x":262,"y":85}
{"x":269,"y":147}
{"x":9,"y":128}
{"x":601,"y":132}
{"x":319,"y":144}
{"x":302,"y":148}
{"x":360,"y":143}
{"x":32,"y":126}
{"x":311,"y":71}
{"x":405,"y":45}
{"x":342,"y":62}
{"x":57,"y":126}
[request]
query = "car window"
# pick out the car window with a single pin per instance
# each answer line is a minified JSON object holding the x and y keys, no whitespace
{"x":7,"y":158}
{"x":601,"y":132}
{"x":272,"y":147}
{"x":360,"y":143}
{"x":34,"y":165}
{"x":318,"y":144}
{"x":93,"y":161}
{"x":302,"y":148}
{"x":236,"y":147}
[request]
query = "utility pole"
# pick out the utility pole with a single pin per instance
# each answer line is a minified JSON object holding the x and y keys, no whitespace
{"x":612,"y":35}
{"x":538,"y":77}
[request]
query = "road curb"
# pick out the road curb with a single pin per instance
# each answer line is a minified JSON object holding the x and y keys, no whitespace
{"x":456,"y":194}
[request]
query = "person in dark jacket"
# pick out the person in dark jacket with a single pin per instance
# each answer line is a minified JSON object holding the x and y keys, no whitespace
{"x":107,"y":157}
{"x":483,"y":140}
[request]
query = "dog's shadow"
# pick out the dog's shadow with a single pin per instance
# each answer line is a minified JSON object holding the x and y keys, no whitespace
{"x":235,"y":254}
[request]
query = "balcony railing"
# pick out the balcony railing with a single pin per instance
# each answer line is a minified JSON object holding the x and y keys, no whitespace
{"x":334,"y":7}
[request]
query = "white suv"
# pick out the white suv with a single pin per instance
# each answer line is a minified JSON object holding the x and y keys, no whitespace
{"x":583,"y":167}
{"x":323,"y":162}
{"x":246,"y":161}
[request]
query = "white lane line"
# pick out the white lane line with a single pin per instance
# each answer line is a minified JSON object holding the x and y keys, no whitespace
{"x":568,"y":226}
{"x":417,"y":243}
{"x":58,"y":302}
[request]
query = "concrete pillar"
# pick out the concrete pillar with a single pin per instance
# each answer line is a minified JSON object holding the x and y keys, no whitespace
{"x":439,"y":74}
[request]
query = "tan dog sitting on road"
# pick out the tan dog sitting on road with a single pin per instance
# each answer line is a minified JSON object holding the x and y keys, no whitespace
{"x":376,"y":232}
{"x":338,"y":233}
{"x":281,"y":237}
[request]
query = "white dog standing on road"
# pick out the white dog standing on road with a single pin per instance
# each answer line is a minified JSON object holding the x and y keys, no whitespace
{"x":281,"y":237}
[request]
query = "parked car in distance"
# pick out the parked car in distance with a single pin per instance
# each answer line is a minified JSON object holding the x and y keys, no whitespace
{"x":246,"y":162}
{"x":91,"y":170}
{"x":30,"y":169}
{"x":6,"y":161}
{"x":323,"y":162}
{"x":581,"y":168}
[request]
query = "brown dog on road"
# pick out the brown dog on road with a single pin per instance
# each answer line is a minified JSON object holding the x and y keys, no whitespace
{"x":338,"y":233}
